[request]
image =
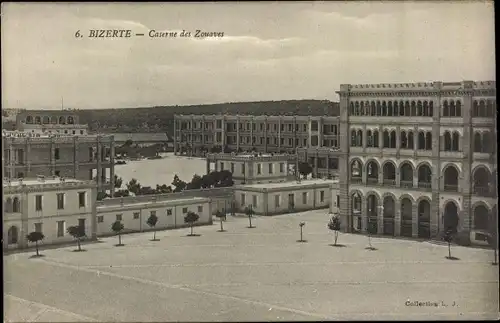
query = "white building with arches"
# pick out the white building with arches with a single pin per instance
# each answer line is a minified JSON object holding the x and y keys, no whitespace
{"x":418,"y":157}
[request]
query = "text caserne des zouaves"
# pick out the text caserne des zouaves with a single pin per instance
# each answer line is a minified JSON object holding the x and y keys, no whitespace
{"x":127,"y":33}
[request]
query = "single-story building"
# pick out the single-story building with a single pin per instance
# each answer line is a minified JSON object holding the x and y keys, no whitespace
{"x":286,"y":197}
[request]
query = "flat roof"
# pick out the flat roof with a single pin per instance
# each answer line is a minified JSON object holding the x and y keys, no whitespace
{"x":289,"y":184}
{"x":115,"y":202}
{"x":36,"y":181}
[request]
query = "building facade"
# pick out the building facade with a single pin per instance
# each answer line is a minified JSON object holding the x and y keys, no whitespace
{"x":254,"y":167}
{"x":134,"y":213}
{"x":288,"y":197}
{"x":80,"y":157}
{"x":418,"y":157}
{"x":195,"y":135}
{"x":50,"y":122}
{"x":49,"y":206}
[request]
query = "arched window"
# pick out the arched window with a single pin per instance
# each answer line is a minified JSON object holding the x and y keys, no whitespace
{"x":353,"y":112}
{"x":447,"y":141}
{"x":426,"y":109}
{"x":490,"y":108}
{"x":386,"y":139}
{"x":446,"y":111}
{"x":62,"y":120}
{"x":453,"y":112}
{"x":16,"y":205}
{"x":393,"y":139}
{"x":356,"y":108}
{"x":420,"y":111}
{"x":402,"y":109}
{"x":53,"y":120}
{"x":8,"y":205}
{"x":375,"y":139}
{"x":356,"y":203}
{"x":12,"y":235}
{"x":373,"y":110}
{"x":395,"y":108}
{"x":71,"y":120}
{"x":355,"y":169}
{"x":361,"y":108}
{"x":458,"y":109}
{"x":29,"y":120}
{"x":359,"y":141}
{"x":404,"y":141}
{"x":413,"y":109}
{"x":384,"y":109}
{"x":478,"y":144}
{"x":353,"y":138}
{"x":369,"y":139}
{"x":421,"y":140}
{"x":45,"y":120}
{"x":482,"y":109}
{"x":431,"y":109}
{"x":38,"y":120}
{"x":379,"y":108}
{"x":428,"y":141}
{"x":367,"y":108}
{"x":389,"y":109}
{"x":407,"y":109}
{"x":486,"y":144}
{"x":410,"y":140}
{"x":455,"y":142}
{"x":475,"y":109}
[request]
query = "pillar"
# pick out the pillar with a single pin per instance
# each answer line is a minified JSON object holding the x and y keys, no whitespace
{"x":380,"y":217}
{"x":364,"y":216}
{"x":397,"y":218}
{"x":414,"y":220}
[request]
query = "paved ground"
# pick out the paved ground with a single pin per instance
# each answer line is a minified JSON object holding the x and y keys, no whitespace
{"x":259,"y":274}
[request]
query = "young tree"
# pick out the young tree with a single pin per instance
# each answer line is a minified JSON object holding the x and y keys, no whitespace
{"x":250,"y":213}
{"x":152,"y":220}
{"x":305,"y":169}
{"x":35,"y":236}
{"x":117,"y":227}
{"x":371,"y":229}
{"x":118,"y":181}
{"x":221,"y":216}
{"x":334,"y":225}
{"x":301,"y":225}
{"x":77,"y":232}
{"x":191,"y":218}
{"x":133,"y":186}
{"x":448,"y":237}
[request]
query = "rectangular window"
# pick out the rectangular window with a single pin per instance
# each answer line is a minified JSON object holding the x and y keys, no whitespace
{"x":243,"y":169}
{"x":232,"y":168}
{"x":118,"y":217}
{"x":38,"y":227}
{"x":282,"y":167}
{"x":56,"y":154}
{"x":254,"y":201}
{"x":321,"y":196}
{"x":38,"y":202}
{"x":259,"y":169}
{"x":60,"y":201}
{"x":136,"y":215}
{"x":81,"y":199}
{"x":169,"y":211}
{"x":338,"y":201}
{"x":270,"y":168}
{"x":184,"y":210}
{"x":60,"y":229}
{"x":221,"y":165}
{"x":277,"y":201}
{"x":243,"y":199}
{"x":100,"y":219}
{"x":304,"y":198}
{"x":200,"y":209}
{"x":81,"y":223}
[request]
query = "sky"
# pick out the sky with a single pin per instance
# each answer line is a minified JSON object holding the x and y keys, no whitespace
{"x":269,"y":51}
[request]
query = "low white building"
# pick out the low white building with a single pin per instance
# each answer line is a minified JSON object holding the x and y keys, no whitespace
{"x":133,"y":213}
{"x":49,"y":206}
{"x":248,"y":168}
{"x":287,"y":197}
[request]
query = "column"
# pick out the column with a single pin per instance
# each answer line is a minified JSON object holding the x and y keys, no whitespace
{"x":380,"y":217}
{"x":414,"y":220}
{"x":415,"y":140}
{"x":398,"y":145}
{"x":397,"y":218}
{"x":435,"y":226}
{"x":398,"y":176}
{"x":365,"y":139}
{"x":265,"y":194}
{"x":320,"y":132}
{"x":315,"y":172}
{"x":364,"y":216}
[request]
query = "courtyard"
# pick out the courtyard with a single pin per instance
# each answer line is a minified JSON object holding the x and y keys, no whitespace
{"x":243,"y":274}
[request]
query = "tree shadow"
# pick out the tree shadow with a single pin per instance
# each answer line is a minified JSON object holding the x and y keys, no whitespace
{"x":81,"y":250}
{"x":371,"y":248}
{"x":221,"y":230}
{"x":193,"y":235}
{"x":156,"y":239}
{"x":339,"y":245}
{"x":36,"y":256}
{"x":452,"y":258}
{"x":119,"y":245}
{"x":301,"y":240}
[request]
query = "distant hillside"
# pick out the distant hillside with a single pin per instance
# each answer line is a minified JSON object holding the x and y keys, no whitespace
{"x":160,"y":119}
